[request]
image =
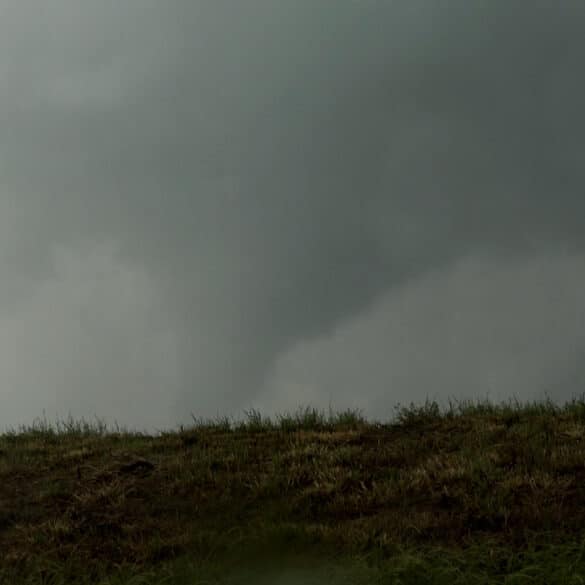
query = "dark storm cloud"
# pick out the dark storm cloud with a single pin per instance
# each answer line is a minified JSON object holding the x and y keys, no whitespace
{"x":274,"y":168}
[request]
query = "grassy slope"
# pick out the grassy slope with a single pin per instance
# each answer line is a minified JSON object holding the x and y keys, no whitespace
{"x":468,"y":496}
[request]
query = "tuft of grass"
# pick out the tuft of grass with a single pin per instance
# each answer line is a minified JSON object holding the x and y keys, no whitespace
{"x":478,"y":493}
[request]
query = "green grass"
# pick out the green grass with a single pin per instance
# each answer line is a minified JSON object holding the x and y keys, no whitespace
{"x":477,"y":494}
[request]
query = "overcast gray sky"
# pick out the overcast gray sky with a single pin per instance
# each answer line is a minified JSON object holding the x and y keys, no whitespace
{"x":208,"y":206}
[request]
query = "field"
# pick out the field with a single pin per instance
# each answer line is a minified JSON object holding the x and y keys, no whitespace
{"x":477,"y":494}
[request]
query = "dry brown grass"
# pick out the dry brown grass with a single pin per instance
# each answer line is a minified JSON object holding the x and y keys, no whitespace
{"x":486,"y":474}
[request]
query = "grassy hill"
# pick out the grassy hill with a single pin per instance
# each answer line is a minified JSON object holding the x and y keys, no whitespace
{"x":477,"y":494}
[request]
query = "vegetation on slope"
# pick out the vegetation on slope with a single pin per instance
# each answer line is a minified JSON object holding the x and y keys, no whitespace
{"x":477,"y":494}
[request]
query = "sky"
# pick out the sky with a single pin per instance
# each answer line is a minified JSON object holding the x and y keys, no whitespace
{"x":212,"y":206}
